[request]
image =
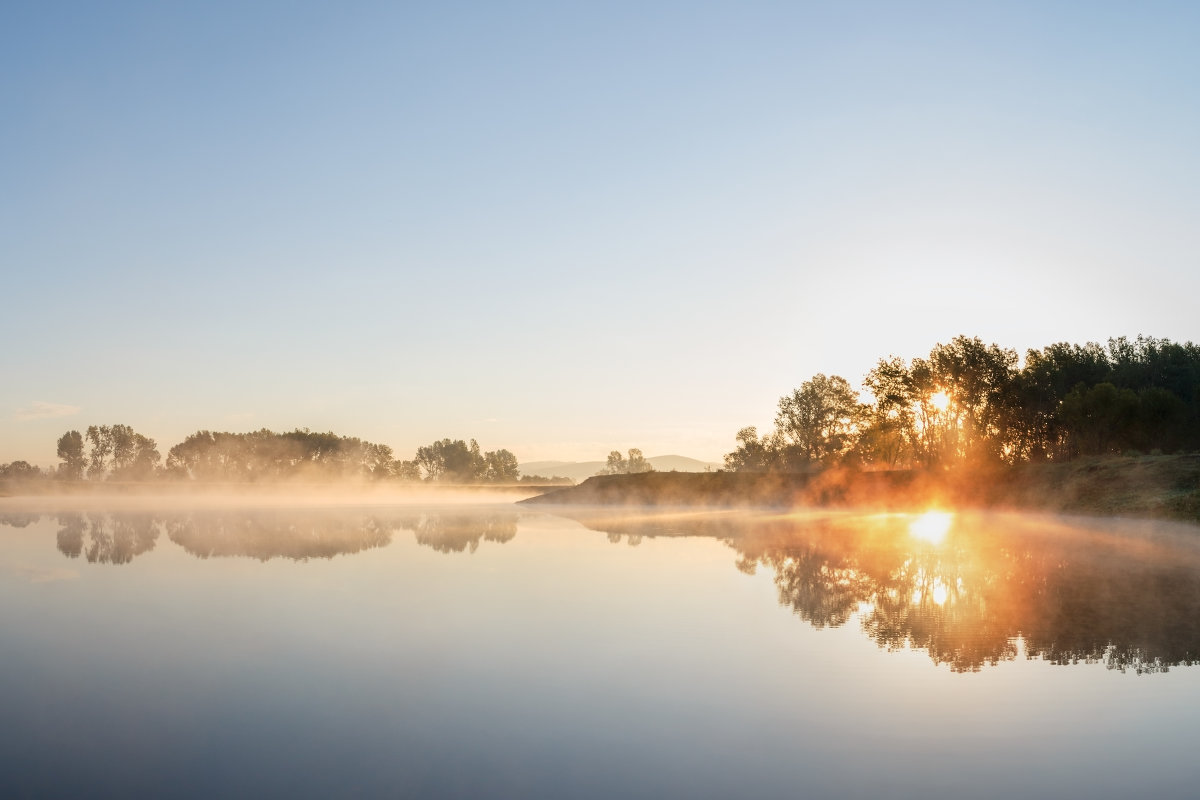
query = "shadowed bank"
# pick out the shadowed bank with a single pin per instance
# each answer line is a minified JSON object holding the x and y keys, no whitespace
{"x":1152,"y":486}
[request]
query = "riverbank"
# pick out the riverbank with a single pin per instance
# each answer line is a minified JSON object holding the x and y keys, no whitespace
{"x":1143,"y":486}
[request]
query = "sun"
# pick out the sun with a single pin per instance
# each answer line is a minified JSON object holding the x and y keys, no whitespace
{"x":932,"y":526}
{"x":939,"y":400}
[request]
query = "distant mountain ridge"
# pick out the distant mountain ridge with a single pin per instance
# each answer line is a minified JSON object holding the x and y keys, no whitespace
{"x":581,"y":470}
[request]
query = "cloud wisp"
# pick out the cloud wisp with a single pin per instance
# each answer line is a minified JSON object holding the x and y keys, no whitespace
{"x":39,"y":409}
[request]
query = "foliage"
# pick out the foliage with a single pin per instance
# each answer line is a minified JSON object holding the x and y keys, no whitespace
{"x":817,"y":422}
{"x":618,"y":464}
{"x":70,"y":450}
{"x":752,"y":454}
{"x":544,"y":480}
{"x":971,"y":403}
{"x":116,"y":452}
{"x":458,"y":462}
{"x":20,"y":472}
{"x":266,"y":455}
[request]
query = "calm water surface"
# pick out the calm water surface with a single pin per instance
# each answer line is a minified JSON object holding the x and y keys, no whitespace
{"x":495,"y":652}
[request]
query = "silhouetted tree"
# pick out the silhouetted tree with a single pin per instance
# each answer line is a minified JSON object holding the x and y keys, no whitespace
{"x":618,"y":464}
{"x":70,"y":450}
{"x":20,"y":471}
{"x":266,"y":455}
{"x":501,"y":466}
{"x":100,"y":453}
{"x":968,"y":402}
{"x":615,"y":465}
{"x":752,"y":454}
{"x":817,"y":422}
{"x":637,"y":463}
{"x":119,"y":452}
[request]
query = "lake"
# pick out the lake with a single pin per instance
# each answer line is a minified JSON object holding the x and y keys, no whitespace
{"x":488,"y":650}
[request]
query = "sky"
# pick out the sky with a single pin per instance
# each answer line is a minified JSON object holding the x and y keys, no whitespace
{"x":565,"y":228}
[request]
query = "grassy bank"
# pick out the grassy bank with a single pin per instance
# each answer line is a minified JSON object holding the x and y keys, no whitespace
{"x":1146,"y":486}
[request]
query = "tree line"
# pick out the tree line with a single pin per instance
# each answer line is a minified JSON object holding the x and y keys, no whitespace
{"x":633,"y":464}
{"x":973,"y":403}
{"x":118,"y":453}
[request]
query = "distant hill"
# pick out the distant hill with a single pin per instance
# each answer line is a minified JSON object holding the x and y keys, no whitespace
{"x":582,"y":470}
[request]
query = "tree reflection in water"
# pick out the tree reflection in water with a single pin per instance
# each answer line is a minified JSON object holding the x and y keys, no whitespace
{"x":300,"y":535}
{"x":988,"y":589}
{"x":454,"y":533}
{"x":1068,"y":592}
{"x":264,"y":535}
{"x":107,"y":538}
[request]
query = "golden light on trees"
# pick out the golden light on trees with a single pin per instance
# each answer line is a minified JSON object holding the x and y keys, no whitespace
{"x":939,"y":400}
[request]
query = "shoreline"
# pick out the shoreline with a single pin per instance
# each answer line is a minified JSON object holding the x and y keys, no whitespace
{"x":1156,"y":487}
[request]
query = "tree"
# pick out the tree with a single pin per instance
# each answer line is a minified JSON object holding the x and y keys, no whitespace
{"x":406,"y":470}
{"x":20,"y":471}
{"x":377,"y":460}
{"x":266,"y":455}
{"x":1101,"y":419}
{"x":752,"y":454}
{"x":962,"y":388}
{"x":618,"y":464}
{"x":101,"y":447}
{"x":135,"y":457}
{"x":117,"y":451}
{"x":1161,"y":420}
{"x":817,"y":422}
{"x":968,"y":402}
{"x":501,"y":467}
{"x":70,"y":450}
{"x":449,"y":460}
{"x":637,"y":463}
{"x":889,"y":430}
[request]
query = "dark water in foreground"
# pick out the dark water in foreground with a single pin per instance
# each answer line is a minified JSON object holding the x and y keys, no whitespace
{"x":491,"y":652}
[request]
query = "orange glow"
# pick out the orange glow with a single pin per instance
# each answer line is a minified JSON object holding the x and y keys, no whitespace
{"x":932,"y":526}
{"x":940,"y":400}
{"x":939,"y":592}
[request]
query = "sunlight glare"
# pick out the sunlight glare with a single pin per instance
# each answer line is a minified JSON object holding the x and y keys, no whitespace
{"x":940,"y":400}
{"x":931,"y":526}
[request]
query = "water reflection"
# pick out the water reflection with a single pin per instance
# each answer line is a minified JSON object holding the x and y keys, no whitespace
{"x":454,"y":533}
{"x":118,"y":537}
{"x":107,"y":538}
{"x":264,"y":535}
{"x":971,"y":591}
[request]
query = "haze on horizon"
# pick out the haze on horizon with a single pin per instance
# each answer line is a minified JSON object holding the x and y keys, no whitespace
{"x":568,"y":231}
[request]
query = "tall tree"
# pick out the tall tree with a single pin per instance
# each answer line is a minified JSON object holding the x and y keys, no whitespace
{"x":637,"y":463}
{"x":615,"y":465}
{"x":70,"y":450}
{"x":100,"y":451}
{"x":752,"y":454}
{"x":889,"y":432}
{"x":452,"y":460}
{"x":632,"y":463}
{"x":817,"y":422}
{"x":502,"y":466}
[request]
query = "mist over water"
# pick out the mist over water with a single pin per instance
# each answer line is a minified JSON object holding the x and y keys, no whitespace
{"x":487,"y":650}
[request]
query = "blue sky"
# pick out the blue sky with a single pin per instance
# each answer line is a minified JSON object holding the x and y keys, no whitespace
{"x":565,"y":228}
